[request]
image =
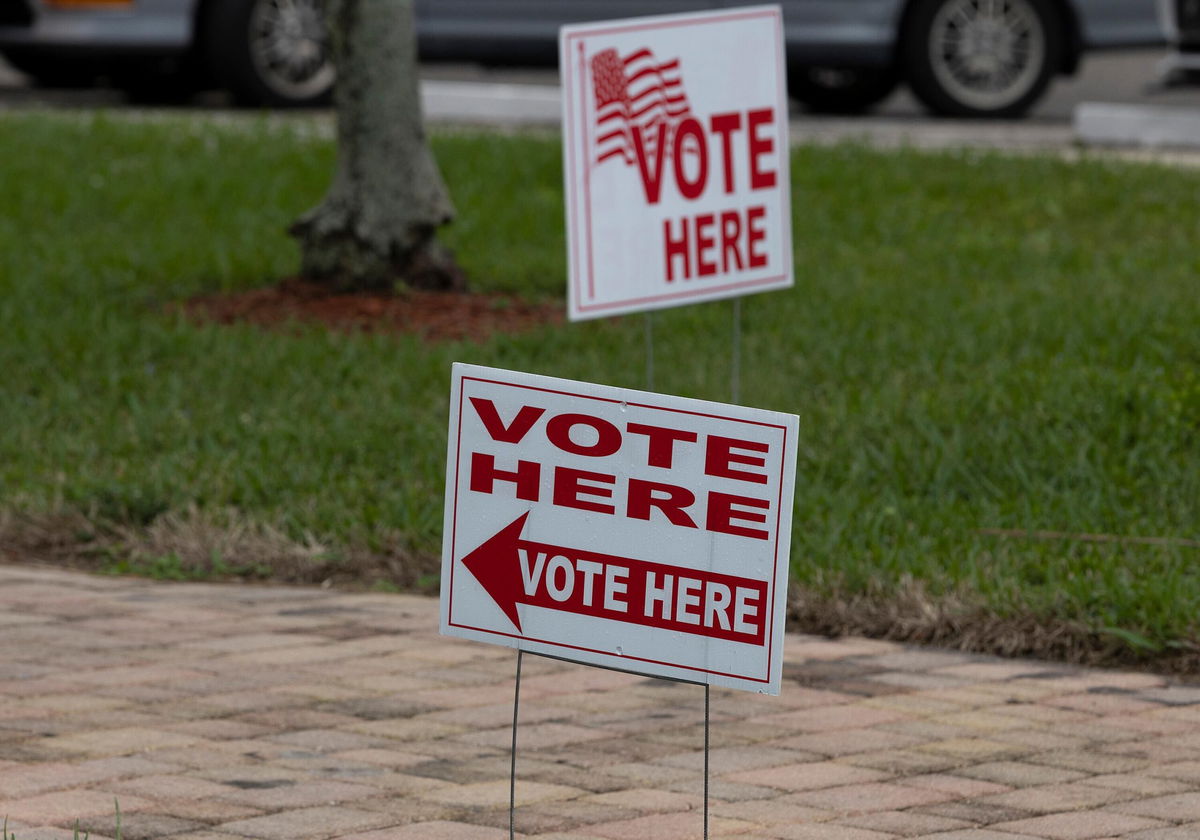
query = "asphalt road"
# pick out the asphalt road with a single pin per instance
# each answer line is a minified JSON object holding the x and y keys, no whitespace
{"x":477,"y":94}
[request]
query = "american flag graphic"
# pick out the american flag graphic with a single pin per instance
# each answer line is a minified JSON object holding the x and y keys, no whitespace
{"x":637,"y":90}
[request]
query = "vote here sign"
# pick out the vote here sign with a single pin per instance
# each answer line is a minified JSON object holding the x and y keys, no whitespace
{"x":618,"y":528}
{"x":675,"y":160}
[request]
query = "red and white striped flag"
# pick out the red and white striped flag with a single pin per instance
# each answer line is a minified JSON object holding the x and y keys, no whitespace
{"x":635,"y":90}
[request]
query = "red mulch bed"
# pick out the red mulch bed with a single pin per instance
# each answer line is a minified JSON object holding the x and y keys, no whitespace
{"x":436,"y":316}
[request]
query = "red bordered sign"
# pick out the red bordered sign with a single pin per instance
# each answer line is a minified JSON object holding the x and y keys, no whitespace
{"x":675,"y":160}
{"x":618,"y":528}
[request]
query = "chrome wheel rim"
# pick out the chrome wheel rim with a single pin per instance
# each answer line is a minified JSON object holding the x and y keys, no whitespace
{"x":290,"y":48}
{"x":987,"y":54}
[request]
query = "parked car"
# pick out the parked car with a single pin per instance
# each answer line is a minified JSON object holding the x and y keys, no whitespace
{"x":1181,"y":24}
{"x":960,"y":57}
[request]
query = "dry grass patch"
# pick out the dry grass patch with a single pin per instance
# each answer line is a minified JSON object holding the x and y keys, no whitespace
{"x":200,"y":545}
{"x":909,"y":613}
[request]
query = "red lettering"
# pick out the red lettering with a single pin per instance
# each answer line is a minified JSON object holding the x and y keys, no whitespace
{"x":760,"y":146}
{"x":720,"y":454}
{"x":708,"y":243}
{"x":608,"y":436}
{"x":704,"y":242}
{"x":731,"y":231}
{"x":677,"y":248}
{"x":514,"y":431}
{"x":526,"y":477}
{"x":725,"y":125}
{"x":689,"y":188}
{"x":668,"y":498}
{"x":662,"y":442}
{"x":723,"y":511}
{"x":569,"y":486}
{"x":651,"y":181}
{"x":755,"y":234}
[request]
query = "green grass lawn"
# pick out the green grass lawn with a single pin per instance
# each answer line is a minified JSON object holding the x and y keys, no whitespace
{"x":974,"y":342}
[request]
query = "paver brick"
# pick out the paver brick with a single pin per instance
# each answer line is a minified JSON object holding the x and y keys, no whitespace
{"x":64,"y":806}
{"x":1187,"y":771}
{"x":905,"y":823}
{"x":723,"y":790}
{"x":1094,"y":763}
{"x":1178,"y":807}
{"x":827,"y":831}
{"x":296,"y":795}
{"x":24,"y":780}
{"x":1143,"y":785}
{"x":830,"y":718}
{"x":435,"y":830}
{"x":974,"y":811}
{"x":137,"y":826}
{"x":865,"y":798}
{"x":1104,"y":704}
{"x":1046,"y":799}
{"x":496,"y":793}
{"x":112,"y":742}
{"x":305,"y":822}
{"x":536,"y":736}
{"x":1182,"y":832}
{"x":771,"y":812}
{"x":956,"y":784}
{"x":976,"y":834}
{"x":1079,"y":825}
{"x":903,"y":762}
{"x":807,"y":776}
{"x":649,"y":800}
{"x":847,"y":741}
{"x":676,"y":826}
{"x":725,"y":760}
{"x":208,"y":811}
{"x":1021,"y":773}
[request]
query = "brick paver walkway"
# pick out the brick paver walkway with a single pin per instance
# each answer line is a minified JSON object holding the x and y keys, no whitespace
{"x":214,"y":712}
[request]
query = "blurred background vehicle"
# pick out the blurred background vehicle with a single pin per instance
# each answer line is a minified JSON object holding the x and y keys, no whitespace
{"x":968,"y":58}
{"x":1181,"y":25}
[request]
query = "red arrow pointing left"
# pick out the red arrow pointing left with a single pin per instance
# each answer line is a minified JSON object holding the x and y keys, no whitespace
{"x":516,"y":571}
{"x":496,"y":565}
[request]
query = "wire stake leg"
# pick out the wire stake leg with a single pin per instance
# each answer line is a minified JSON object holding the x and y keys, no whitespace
{"x":706,"y":718}
{"x":512,"y":770}
{"x":735,"y":371}
{"x":649,"y":351}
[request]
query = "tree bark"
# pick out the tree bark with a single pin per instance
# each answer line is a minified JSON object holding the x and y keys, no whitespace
{"x":375,"y":227}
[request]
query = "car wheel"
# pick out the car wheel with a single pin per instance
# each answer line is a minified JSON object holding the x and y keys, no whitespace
{"x":982,"y":58}
{"x":270,"y":52}
{"x":840,"y":90}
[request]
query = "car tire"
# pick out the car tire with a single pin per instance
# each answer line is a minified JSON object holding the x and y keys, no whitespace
{"x":269,"y":52}
{"x":970,"y":58}
{"x":840,"y":90}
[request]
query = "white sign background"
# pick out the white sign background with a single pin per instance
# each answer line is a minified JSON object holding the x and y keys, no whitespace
{"x":729,"y":62}
{"x":473,"y":517}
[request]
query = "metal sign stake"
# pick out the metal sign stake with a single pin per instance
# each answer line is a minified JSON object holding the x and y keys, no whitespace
{"x":512,"y":770}
{"x":706,"y":761}
{"x":649,"y":351}
{"x":735,"y":371}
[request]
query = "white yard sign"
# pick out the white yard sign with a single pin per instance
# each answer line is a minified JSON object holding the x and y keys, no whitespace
{"x":618,"y":528}
{"x":675,"y":162}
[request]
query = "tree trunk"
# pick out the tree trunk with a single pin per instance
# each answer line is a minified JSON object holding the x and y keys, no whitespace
{"x":375,"y":227}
